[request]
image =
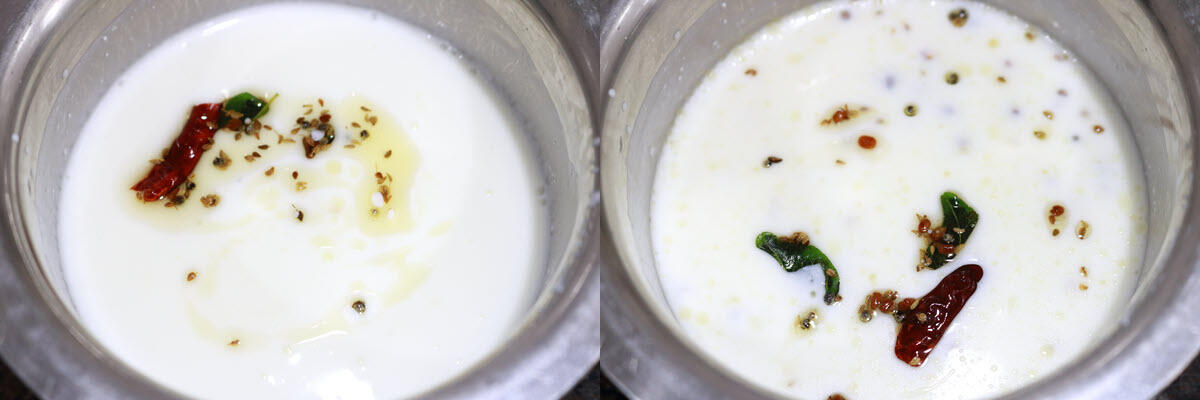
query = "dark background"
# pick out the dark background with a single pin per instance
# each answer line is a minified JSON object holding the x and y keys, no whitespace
{"x":595,"y":386}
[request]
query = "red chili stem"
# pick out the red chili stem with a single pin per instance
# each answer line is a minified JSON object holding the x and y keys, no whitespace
{"x":183,"y":155}
{"x":922,"y":327}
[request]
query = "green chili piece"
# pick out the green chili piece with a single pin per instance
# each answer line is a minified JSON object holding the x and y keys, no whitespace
{"x":959,"y":220}
{"x":794,"y":252}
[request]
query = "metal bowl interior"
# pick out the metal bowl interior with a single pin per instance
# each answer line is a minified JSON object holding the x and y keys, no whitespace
{"x":64,"y":55}
{"x":1146,"y":58}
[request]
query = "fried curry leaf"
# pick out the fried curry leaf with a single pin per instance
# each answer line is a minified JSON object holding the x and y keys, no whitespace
{"x":795,"y":252}
{"x":958,"y":221}
{"x":245,"y":104}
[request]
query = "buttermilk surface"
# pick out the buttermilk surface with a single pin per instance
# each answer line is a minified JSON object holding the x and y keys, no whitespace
{"x":1022,"y":128}
{"x":259,"y":296}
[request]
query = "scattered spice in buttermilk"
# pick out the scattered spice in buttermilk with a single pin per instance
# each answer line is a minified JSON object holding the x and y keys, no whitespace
{"x":191,"y":276}
{"x":836,"y":396}
{"x":1083,"y":287}
{"x":806,"y":321}
{"x":840,"y":114}
{"x":1083,"y":230}
{"x":1057,"y":217}
{"x":867,"y":142}
{"x":222,"y":161}
{"x":180,"y":194}
{"x":1083,"y":271}
{"x":385,"y":192}
{"x":751,"y":72}
{"x":1056,"y":211}
{"x":269,"y":171}
{"x":210,"y":200}
{"x":884,"y":302}
{"x":1041,"y":135}
{"x":319,"y":132}
{"x":235,"y":342}
{"x":952,"y":78}
{"x":959,"y":17}
{"x":771,"y":161}
{"x":1098,"y":129}
{"x":910,"y":110}
{"x":359,"y":306}
{"x":1048,"y":114}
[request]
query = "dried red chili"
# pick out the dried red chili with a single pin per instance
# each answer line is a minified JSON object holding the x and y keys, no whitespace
{"x":922,"y":326}
{"x":183,"y":155}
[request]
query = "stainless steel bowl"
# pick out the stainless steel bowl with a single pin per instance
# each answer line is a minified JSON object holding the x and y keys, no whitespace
{"x":656,"y":53}
{"x":62,"y":55}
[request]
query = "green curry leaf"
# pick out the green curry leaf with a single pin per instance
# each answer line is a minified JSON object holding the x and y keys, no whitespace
{"x":246,"y":104}
{"x":794,"y":252}
{"x":959,"y":220}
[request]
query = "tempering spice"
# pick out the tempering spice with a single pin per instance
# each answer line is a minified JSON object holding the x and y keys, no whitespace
{"x":240,"y":112}
{"x":318,"y":133}
{"x":923,"y":324}
{"x":210,"y":200}
{"x":944,"y":242}
{"x":959,"y":17}
{"x":867,"y":142}
{"x":884,"y":302}
{"x":841,"y":114}
{"x":1083,"y":230}
{"x":807,"y":321}
{"x":794,"y":252}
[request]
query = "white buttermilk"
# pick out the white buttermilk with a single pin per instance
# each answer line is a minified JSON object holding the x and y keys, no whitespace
{"x":445,"y":272}
{"x":1034,"y":310}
